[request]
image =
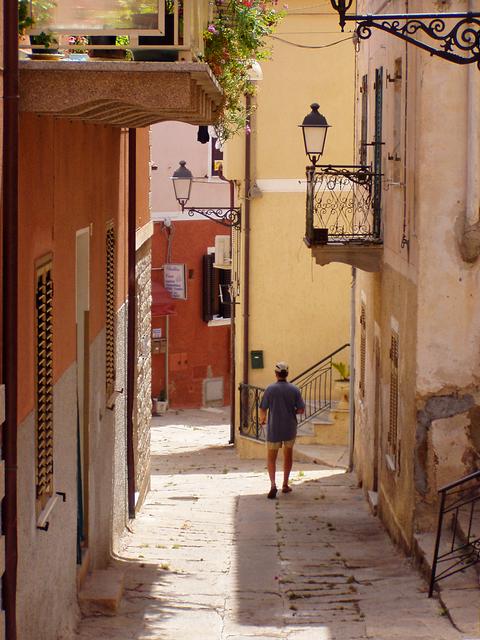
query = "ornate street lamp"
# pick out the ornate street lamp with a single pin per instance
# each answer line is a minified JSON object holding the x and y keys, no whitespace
{"x":455,"y":36}
{"x":182,"y":185}
{"x":348,"y":191}
{"x":314,"y":128}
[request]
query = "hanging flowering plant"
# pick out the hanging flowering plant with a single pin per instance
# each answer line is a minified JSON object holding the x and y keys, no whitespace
{"x":233,"y":40}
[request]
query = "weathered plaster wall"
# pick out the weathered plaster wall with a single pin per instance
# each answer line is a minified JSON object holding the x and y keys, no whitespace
{"x":427,"y":285}
{"x":117,"y":417}
{"x":44,"y":554}
{"x":143,"y":401}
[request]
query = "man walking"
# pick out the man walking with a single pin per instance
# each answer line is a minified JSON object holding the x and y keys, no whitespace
{"x":283,"y":401}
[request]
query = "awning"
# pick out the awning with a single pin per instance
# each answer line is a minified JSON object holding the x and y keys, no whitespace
{"x":162,"y":302}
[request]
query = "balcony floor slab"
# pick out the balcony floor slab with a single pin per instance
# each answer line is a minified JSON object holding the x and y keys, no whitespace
{"x":123,"y":94}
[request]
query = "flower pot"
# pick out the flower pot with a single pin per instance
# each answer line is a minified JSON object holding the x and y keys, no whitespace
{"x":341,"y":393}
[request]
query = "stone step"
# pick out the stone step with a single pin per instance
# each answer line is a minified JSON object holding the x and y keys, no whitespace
{"x":102,"y":592}
{"x":330,"y":456}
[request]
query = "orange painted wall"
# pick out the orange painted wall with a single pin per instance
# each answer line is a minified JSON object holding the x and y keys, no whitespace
{"x":192,"y":343}
{"x":72,"y":176}
{"x":143,"y":177}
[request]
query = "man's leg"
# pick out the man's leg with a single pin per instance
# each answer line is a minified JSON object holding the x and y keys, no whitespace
{"x":271,"y":466}
{"x":287,"y":467}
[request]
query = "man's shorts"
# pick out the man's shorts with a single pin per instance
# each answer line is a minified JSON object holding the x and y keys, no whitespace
{"x":288,"y":444}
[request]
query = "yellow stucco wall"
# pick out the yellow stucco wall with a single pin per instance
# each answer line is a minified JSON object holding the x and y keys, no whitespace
{"x":299,"y":311}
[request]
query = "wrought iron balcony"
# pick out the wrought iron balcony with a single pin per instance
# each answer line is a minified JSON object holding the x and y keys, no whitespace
{"x":343,"y":214}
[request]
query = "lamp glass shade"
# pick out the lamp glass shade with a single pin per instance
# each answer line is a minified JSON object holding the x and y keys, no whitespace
{"x":182,"y":183}
{"x":314,"y":127}
{"x":314,"y":139}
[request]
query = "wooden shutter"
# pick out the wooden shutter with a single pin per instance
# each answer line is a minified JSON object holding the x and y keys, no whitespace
{"x":393,"y":414}
{"x":364,"y":123}
{"x":363,"y":348}
{"x":110,"y":311}
{"x":208,"y":287}
{"x":44,"y":382}
{"x":377,"y":160}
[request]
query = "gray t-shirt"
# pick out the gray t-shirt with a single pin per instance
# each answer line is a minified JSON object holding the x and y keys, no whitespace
{"x":282,"y":399}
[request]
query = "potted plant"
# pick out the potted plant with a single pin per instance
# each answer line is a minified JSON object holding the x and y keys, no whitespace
{"x":234,"y":39}
{"x":342,"y":385}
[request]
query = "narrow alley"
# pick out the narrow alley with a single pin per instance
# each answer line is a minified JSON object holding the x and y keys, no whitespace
{"x":210,"y":558}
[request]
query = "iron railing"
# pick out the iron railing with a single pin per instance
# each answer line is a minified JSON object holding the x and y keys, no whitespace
{"x":341,"y":205}
{"x":315,"y":384}
{"x":457,"y":544}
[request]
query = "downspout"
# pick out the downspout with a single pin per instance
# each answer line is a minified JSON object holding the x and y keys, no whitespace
{"x":469,"y":240}
{"x":351,"y":399}
{"x":246,"y":256}
{"x":131,"y":315}
{"x":232,"y":334}
{"x":10,"y":309}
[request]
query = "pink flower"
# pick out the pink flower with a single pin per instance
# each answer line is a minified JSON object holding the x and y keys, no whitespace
{"x":212,"y":29}
{"x":247,"y":3}
{"x":248,"y":130}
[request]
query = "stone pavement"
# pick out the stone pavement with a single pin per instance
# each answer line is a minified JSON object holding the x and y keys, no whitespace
{"x":210,"y":558}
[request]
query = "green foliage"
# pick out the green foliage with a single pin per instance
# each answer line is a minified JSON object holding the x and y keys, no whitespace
{"x":48,"y":39}
{"x":343,"y":369}
{"x":233,"y":40}
{"x":25,"y":21}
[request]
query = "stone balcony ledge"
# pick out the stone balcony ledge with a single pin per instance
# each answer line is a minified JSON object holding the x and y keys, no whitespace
{"x":119,"y":93}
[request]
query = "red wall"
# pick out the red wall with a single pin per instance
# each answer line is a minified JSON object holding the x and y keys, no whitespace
{"x":197,"y":351}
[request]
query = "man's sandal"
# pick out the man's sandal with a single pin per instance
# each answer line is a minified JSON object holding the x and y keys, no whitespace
{"x":286,"y":488}
{"x":272,"y":494}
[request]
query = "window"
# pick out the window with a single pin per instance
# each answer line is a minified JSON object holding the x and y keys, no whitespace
{"x":216,"y":290}
{"x":110,"y":311}
{"x":44,"y":382}
{"x":393,"y":412}
{"x":216,"y":157}
{"x":363,"y":349}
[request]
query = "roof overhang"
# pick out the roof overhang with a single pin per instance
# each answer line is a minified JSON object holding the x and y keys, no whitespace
{"x":123,"y":94}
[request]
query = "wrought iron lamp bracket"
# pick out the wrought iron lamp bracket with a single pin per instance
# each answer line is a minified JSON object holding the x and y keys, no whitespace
{"x":359,"y":174}
{"x":226,"y":216}
{"x":455,"y":36}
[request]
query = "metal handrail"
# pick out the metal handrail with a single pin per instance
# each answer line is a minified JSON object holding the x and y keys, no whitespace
{"x":463,"y":545}
{"x":315,"y":384}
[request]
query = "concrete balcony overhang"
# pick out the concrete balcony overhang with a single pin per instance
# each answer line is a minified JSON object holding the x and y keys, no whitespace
{"x":122,"y":94}
{"x":367,"y":257}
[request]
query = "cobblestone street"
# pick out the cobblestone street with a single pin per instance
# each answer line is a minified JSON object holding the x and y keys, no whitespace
{"x":210,"y":558}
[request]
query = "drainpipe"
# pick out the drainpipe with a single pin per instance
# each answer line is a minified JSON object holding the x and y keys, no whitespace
{"x":246,"y":263}
{"x":10,"y":309}
{"x":351,"y":400}
{"x":131,"y":316}
{"x":232,"y":323}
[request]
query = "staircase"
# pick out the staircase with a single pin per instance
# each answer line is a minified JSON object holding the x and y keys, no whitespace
{"x":450,"y":557}
{"x":323,"y":430}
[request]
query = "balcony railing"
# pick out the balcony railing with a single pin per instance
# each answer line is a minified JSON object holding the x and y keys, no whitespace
{"x":341,"y":205}
{"x":177,"y":25}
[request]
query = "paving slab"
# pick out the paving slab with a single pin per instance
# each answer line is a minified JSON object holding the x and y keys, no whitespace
{"x":210,"y":558}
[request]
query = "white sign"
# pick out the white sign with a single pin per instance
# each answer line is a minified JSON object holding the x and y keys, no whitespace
{"x":175,"y":280}
{"x":156,"y":334}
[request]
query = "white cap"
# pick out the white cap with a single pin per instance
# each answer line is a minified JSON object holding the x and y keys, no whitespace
{"x":281,"y":367}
